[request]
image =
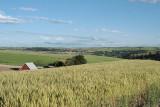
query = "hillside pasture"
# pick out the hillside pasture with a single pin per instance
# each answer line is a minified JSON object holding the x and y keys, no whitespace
{"x":43,"y":58}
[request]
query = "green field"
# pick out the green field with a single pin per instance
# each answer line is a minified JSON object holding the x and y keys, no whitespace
{"x":125,"y":83}
{"x":43,"y":58}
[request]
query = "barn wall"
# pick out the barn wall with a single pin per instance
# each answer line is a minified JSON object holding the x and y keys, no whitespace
{"x":24,"y":67}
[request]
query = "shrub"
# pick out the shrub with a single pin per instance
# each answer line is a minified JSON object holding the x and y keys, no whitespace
{"x":58,"y":64}
{"x":69,"y":62}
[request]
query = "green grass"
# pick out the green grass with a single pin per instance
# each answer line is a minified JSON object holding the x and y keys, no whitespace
{"x":42,"y":58}
{"x":125,"y":83}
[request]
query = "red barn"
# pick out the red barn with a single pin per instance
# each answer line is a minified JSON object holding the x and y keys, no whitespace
{"x":28,"y":66}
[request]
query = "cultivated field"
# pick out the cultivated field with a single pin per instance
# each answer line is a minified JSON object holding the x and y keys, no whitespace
{"x":43,"y":58}
{"x":125,"y":83}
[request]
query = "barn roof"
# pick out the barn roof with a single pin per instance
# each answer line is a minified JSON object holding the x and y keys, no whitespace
{"x":31,"y":65}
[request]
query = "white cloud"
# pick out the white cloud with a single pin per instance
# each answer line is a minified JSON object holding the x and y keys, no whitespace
{"x":3,"y":38}
{"x":96,"y":39}
{"x":59,"y":39}
{"x":28,"y":9}
{"x":45,"y":38}
{"x":48,"y":19}
{"x":1,"y":12}
{"x":111,"y":31}
{"x":148,"y":1}
{"x":9,"y":19}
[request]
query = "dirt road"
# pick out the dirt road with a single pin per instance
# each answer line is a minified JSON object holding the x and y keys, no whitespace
{"x":8,"y":68}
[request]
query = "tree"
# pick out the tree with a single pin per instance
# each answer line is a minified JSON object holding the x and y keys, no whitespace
{"x":79,"y":59}
{"x":76,"y":60}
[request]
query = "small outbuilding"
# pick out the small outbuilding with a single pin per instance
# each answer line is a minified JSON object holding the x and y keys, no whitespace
{"x":28,"y":66}
{"x":40,"y":67}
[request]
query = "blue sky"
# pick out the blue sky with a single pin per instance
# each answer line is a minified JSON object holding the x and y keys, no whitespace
{"x":79,"y":23}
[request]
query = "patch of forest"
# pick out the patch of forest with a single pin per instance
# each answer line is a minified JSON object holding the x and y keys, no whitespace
{"x":130,"y":54}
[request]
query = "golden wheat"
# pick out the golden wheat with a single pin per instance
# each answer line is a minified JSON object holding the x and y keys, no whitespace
{"x":119,"y":83}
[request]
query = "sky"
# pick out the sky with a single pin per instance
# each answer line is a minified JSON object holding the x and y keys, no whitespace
{"x":79,"y":23}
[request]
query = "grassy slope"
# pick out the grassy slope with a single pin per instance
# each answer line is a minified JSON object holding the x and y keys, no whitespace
{"x":119,"y":83}
{"x":19,"y":58}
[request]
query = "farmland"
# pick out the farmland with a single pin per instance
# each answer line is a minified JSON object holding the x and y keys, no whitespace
{"x":43,"y":58}
{"x":118,"y":52}
{"x":119,"y":83}
{"x":104,"y":81}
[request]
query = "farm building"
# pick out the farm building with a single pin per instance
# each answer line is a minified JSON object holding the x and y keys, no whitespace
{"x":40,"y":67}
{"x":28,"y":66}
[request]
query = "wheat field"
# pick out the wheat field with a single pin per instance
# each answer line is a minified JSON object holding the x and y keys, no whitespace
{"x":121,"y":83}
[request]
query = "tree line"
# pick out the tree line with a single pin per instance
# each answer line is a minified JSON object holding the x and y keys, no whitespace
{"x":54,"y":49}
{"x":130,"y":54}
{"x":41,"y":49}
{"x":152,"y":56}
{"x":126,"y":54}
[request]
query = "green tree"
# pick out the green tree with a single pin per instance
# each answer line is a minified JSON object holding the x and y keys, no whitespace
{"x":79,"y":59}
{"x":76,"y":60}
